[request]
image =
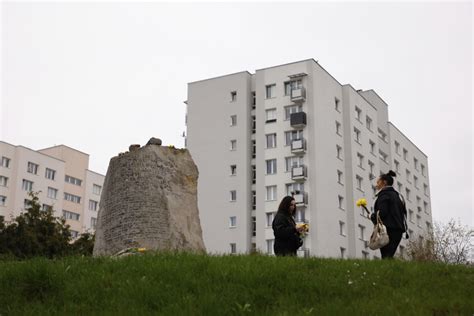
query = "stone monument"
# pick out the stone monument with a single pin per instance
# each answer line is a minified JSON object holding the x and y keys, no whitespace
{"x":149,"y":200}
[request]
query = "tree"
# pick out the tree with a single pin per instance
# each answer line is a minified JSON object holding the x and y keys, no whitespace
{"x":448,"y":243}
{"x":35,"y":233}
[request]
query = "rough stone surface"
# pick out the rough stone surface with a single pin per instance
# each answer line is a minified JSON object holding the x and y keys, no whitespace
{"x":149,"y":200}
{"x":133,"y":147}
{"x":154,"y":141}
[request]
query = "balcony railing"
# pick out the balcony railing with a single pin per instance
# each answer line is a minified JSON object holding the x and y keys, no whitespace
{"x":298,"y":120}
{"x":301,"y":198}
{"x":298,"y":173}
{"x":298,"y":95}
{"x":298,"y":146}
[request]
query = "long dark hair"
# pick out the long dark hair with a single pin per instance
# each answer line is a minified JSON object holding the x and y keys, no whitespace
{"x":388,"y":177}
{"x":285,"y":205}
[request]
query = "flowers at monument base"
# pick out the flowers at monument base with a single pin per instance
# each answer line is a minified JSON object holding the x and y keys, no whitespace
{"x":361,"y":202}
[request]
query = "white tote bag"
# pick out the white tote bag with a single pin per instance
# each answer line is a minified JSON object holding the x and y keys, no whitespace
{"x":379,"y":237}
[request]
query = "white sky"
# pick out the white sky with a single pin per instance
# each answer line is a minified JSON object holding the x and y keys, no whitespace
{"x":99,"y":77}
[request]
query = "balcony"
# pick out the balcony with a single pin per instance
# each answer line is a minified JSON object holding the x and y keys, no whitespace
{"x":298,"y":95}
{"x":301,"y":198}
{"x":298,"y":173}
{"x":298,"y":120}
{"x":298,"y":146}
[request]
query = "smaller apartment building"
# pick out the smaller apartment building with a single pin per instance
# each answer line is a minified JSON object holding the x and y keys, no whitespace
{"x":61,"y":176}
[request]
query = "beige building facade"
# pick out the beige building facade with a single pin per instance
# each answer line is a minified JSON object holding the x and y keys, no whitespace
{"x":61,"y":176}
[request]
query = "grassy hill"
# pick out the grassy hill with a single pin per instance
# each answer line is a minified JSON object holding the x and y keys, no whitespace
{"x":185,"y":284}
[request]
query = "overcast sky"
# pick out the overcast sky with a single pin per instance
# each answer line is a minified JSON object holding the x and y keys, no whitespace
{"x":99,"y":77}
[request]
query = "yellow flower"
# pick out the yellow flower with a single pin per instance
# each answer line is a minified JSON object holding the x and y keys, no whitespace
{"x":361,"y":202}
{"x":141,"y":249}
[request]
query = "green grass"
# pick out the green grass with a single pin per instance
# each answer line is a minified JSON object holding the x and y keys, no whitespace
{"x":186,"y":284}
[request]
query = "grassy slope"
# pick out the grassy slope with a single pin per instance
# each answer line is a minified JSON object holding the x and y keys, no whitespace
{"x":183,"y":284}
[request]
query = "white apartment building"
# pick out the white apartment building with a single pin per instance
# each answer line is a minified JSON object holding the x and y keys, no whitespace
{"x":294,"y":129}
{"x":62,"y":177}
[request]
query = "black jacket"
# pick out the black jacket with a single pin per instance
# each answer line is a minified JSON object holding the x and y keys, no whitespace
{"x":287,"y":239}
{"x":391,"y":209}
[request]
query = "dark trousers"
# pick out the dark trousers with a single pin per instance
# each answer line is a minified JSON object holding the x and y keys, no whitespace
{"x":395,"y":236}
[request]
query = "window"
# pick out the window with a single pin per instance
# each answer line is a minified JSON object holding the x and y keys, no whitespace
{"x":96,"y":189}
{"x":271,"y":193}
{"x":72,"y":198}
{"x":359,"y":181}
{"x":233,"y":145}
{"x":270,"y":246}
{"x":340,"y":200}
{"x":361,"y":232}
{"x":233,"y":170}
{"x":93,"y":222}
{"x":254,"y":99}
{"x":383,"y":156}
{"x":397,"y":166}
{"x":422,"y":170}
{"x":425,"y":189}
{"x":26,"y":204}
{"x":27,"y":185}
{"x":294,"y":188}
{"x":342,"y":228}
{"x":339,"y":152}
{"x":74,"y":233}
{"x":372,"y":147}
{"x":292,"y":85}
{"x":291,"y":162}
{"x":32,"y":167}
{"x":3,"y":181}
{"x":233,"y":221}
{"x":49,"y":174}
{"x":292,"y":135}
{"x":5,"y":162}
{"x":339,"y":177}
{"x":428,"y":227}
{"x":254,"y":124}
{"x":233,"y":196}
{"x":93,"y":205}
{"x":397,"y":147}
{"x":418,"y":221}
{"x":71,"y":215}
{"x":254,"y":200}
{"x":270,"y":115}
{"x":408,"y":173}
{"x":270,"y":91}
{"x":400,"y":186}
{"x":300,"y":215}
{"x":343,"y":252}
{"x":371,"y":169}
{"x":358,"y":113}
{"x":356,"y":135}
{"x":254,"y":226}
{"x":254,"y":149}
{"x":292,"y":109}
{"x":233,"y":120}
{"x":52,"y":193}
{"x":407,"y":193}
{"x":338,"y":128}
{"x":415,"y":179}
{"x":360,"y":159}
{"x":233,"y":96}
{"x":410,"y":216}
{"x":382,"y":135}
{"x":271,"y":166}
{"x":73,"y":180}
{"x":425,"y":207}
{"x":46,"y":207}
{"x":3,"y":200}
{"x":337,"y":105}
{"x":254,"y":174}
{"x":368,"y":123}
{"x":415,"y":163}
{"x":271,"y":140}
{"x":405,"y":154}
{"x":270,"y":216}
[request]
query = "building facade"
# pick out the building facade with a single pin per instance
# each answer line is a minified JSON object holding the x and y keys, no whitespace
{"x":61,"y":176}
{"x":295,"y":130}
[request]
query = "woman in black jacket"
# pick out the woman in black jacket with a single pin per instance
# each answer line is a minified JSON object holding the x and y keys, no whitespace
{"x":287,"y":239}
{"x":392,"y":212}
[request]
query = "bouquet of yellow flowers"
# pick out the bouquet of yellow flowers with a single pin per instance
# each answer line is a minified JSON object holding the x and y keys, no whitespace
{"x":305,"y":229}
{"x":363,"y":203}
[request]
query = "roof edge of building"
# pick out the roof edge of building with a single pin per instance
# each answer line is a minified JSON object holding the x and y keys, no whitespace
{"x":408,"y":139}
{"x":219,"y":77}
{"x":62,"y":145}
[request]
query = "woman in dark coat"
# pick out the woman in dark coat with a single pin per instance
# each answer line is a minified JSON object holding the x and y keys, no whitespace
{"x":392,"y":212}
{"x":287,"y":239}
